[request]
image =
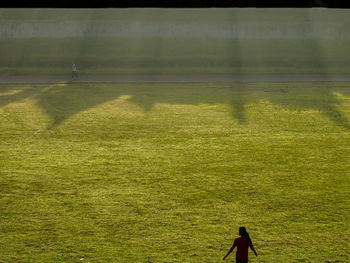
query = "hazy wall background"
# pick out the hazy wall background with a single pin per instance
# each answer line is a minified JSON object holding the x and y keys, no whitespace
{"x":253,"y":23}
{"x":160,"y":40}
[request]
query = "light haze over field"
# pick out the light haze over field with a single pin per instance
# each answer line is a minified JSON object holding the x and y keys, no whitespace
{"x":187,"y":23}
{"x":157,"y":40}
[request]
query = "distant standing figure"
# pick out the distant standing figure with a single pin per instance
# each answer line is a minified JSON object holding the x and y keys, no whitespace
{"x":242,"y":243}
{"x":74,"y":71}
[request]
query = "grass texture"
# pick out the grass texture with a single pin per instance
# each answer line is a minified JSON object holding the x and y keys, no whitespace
{"x":168,"y":172}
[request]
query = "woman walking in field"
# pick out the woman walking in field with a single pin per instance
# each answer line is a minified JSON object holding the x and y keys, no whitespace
{"x":242,"y":243}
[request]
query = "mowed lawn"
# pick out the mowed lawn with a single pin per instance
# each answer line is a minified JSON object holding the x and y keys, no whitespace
{"x":168,"y":172}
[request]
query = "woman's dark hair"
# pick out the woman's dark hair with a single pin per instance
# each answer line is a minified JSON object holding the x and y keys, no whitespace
{"x":243,"y":232}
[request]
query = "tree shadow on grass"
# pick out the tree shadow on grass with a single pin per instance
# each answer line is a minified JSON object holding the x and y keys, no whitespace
{"x":238,"y":107}
{"x":61,"y":101}
{"x":13,"y":93}
{"x":321,"y":98}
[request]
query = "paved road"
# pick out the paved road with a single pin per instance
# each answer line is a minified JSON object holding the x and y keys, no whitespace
{"x":140,"y":78}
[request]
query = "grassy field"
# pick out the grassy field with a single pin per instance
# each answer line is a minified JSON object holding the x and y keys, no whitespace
{"x":172,"y":56}
{"x":168,"y":172}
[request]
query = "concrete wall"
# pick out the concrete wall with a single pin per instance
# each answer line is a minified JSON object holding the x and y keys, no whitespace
{"x":185,"y":23}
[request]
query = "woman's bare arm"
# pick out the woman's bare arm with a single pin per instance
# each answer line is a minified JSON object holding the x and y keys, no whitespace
{"x":252,"y":248}
{"x":229,"y":252}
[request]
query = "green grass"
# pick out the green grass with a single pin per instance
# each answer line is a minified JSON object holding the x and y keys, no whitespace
{"x":173,"y":56}
{"x":168,"y":172}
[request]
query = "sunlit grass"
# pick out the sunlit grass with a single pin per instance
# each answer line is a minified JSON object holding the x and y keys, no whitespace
{"x":168,"y":172}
